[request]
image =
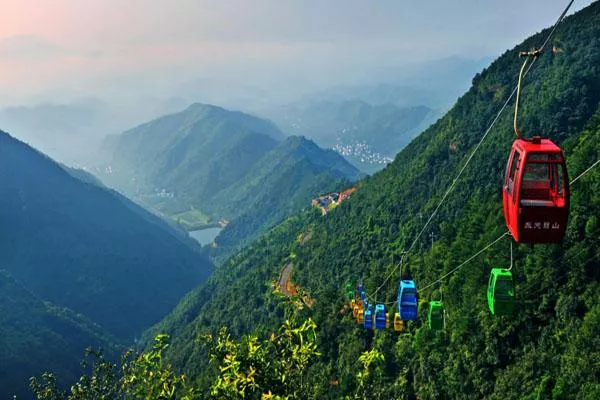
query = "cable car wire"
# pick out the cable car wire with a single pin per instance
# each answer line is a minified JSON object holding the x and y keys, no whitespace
{"x":449,"y":190}
{"x":500,"y":237}
{"x":584,"y":172}
{"x":441,"y":278}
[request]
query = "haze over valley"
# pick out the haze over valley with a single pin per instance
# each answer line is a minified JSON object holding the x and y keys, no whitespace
{"x":299,"y":200}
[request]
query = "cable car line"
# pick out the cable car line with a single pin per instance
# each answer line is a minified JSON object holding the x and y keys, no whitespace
{"x":558,"y":21}
{"x":441,"y":278}
{"x":584,"y":172}
{"x":536,"y":53}
{"x":500,"y":237}
{"x":511,"y":256}
{"x":526,"y":156}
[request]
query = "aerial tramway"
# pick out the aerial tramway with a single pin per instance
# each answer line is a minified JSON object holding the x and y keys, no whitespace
{"x":535,"y":200}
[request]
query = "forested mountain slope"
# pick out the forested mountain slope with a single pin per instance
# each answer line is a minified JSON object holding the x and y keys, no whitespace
{"x":280,"y":184}
{"x":38,"y":336}
{"x":191,"y":154}
{"x":81,"y":246}
{"x":206,"y":163}
{"x":549,"y":347}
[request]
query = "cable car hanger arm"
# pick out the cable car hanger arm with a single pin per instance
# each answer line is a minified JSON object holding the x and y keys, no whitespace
{"x":528,"y":55}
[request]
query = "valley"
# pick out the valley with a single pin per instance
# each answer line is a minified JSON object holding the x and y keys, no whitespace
{"x":298,"y":202}
{"x":221,"y":168}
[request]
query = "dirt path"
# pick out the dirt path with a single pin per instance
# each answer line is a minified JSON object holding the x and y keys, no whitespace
{"x":305,"y":238}
{"x":284,"y":280}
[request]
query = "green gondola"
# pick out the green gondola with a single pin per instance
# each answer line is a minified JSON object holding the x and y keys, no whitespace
{"x":350,"y":291}
{"x":501,"y":292}
{"x":436,"y":315}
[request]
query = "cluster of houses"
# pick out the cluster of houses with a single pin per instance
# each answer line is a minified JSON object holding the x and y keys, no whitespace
{"x":164,"y":194}
{"x":362,"y":152}
{"x":329,"y":201}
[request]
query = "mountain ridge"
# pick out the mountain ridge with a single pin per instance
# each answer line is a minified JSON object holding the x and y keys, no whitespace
{"x":534,"y":353}
{"x":42,"y":203}
{"x":208,"y":164}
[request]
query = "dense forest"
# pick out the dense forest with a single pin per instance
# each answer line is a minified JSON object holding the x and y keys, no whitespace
{"x":80,"y":265}
{"x":91,"y":244}
{"x":549,"y":347}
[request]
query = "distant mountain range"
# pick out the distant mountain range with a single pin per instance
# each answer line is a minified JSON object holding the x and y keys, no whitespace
{"x":381,"y":94}
{"x":367,"y":135}
{"x":206,"y":163}
{"x":71,"y":132}
{"x":370,"y":123}
{"x":67,"y":132}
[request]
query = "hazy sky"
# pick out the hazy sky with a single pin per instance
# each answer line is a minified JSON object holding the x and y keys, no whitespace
{"x":69,"y":48}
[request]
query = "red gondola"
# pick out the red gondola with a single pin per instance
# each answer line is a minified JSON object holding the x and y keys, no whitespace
{"x":535,"y":195}
{"x":536,"y":192}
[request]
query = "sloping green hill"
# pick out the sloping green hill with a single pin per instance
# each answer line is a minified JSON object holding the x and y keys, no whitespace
{"x":549,"y":347}
{"x":280,"y":184}
{"x":37,"y":336}
{"x":82,"y":246}
{"x":207,"y":163}
{"x":192,"y":154}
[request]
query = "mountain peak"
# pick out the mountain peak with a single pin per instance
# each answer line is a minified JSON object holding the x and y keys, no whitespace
{"x":196,"y":106}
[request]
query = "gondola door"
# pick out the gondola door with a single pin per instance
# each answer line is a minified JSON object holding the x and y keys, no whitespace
{"x":510,"y":192}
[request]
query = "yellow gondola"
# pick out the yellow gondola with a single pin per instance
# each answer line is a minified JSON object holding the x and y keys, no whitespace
{"x":398,"y":323}
{"x":360,"y":318}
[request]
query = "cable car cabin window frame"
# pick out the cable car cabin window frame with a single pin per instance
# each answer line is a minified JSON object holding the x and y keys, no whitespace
{"x":503,"y":282}
{"x":511,"y":170}
{"x":543,"y":181}
{"x":437,"y":312}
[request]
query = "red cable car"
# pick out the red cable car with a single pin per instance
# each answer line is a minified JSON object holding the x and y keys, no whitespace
{"x":536,"y":192}
{"x":535,"y":195}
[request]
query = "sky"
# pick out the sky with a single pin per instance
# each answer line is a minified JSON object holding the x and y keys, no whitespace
{"x":64,"y":49}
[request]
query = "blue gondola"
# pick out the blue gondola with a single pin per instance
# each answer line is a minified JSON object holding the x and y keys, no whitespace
{"x":380,"y":318}
{"x":407,"y":300}
{"x":361,"y":291}
{"x":368,"y":322}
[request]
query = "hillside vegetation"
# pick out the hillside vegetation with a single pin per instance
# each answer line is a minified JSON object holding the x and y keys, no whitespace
{"x":81,"y":246}
{"x":206,"y":164}
{"x":547,"y":347}
{"x":37,"y":335}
